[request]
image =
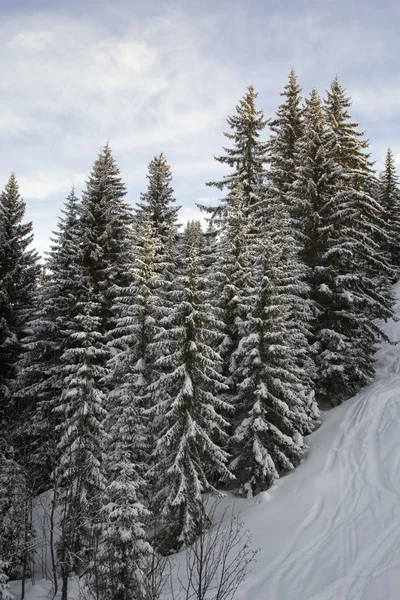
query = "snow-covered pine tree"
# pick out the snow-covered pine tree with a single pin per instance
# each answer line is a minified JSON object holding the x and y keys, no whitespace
{"x":317,"y":176}
{"x":360,"y":183}
{"x":105,"y":245}
{"x":106,"y":233}
{"x":270,"y":400}
{"x":157,"y":202}
{"x":230,"y":277}
{"x":124,"y":552}
{"x":188,"y":459}
{"x":137,"y":311}
{"x":316,"y":183}
{"x":389,"y":198}
{"x":234,"y":217}
{"x":16,"y":547}
{"x":40,"y":377}
{"x":19,"y":270}
{"x":287,"y":128}
{"x":81,"y":407}
{"x":337,"y":253}
{"x":281,"y":206}
{"x":247,"y":157}
{"x":193,"y":236}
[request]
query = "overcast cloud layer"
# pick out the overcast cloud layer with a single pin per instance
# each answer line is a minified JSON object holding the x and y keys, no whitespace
{"x":152,"y":77}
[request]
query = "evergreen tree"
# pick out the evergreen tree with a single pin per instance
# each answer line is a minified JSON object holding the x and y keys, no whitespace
{"x":157,"y":202}
{"x":389,"y":198}
{"x":82,"y":434}
{"x":351,"y":153}
{"x":287,"y":213}
{"x":15,"y":533}
{"x":193,"y":236}
{"x":18,"y":273}
{"x":104,"y":251}
{"x":106,"y":235}
{"x":247,"y":157}
{"x":316,"y":184}
{"x":270,"y":400}
{"x":234,"y":218}
{"x":188,"y":459}
{"x":40,"y":378}
{"x":341,"y":257}
{"x":317,"y":176}
{"x":230,"y":278}
{"x":157,"y":205}
{"x":137,"y":313}
{"x":124,"y":552}
{"x":287,"y":128}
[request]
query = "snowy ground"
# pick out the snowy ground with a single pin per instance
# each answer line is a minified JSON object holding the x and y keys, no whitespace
{"x":331,"y":529}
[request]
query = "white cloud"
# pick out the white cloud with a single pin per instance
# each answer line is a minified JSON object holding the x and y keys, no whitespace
{"x":40,"y":186}
{"x":32,"y":41}
{"x":165,"y":83}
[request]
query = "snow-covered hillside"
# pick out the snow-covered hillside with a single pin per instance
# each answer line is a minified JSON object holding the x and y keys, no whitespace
{"x":331,"y":529}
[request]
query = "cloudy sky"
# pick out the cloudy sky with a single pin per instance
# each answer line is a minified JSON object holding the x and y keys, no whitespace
{"x":164,"y":75}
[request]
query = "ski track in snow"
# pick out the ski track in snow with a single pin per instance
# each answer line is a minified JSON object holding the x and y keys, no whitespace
{"x":331,"y":529}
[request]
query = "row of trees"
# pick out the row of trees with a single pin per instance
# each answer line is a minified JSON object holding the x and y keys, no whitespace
{"x":147,"y":367}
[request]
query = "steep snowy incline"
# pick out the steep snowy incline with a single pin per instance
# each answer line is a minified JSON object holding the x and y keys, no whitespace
{"x":331,"y":529}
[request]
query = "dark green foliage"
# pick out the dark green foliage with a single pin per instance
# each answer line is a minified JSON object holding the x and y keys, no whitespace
{"x":389,"y":197}
{"x":19,"y":270}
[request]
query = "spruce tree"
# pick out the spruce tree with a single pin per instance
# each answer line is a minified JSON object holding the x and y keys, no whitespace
{"x":234,"y":217}
{"x":389,"y":197}
{"x":338,"y":218}
{"x":270,"y":399}
{"x":101,"y":261}
{"x":137,"y":311}
{"x":40,"y":377}
{"x":80,"y":470}
{"x":157,"y":202}
{"x":247,"y":157}
{"x":230,"y":277}
{"x":123,"y":552}
{"x":315,"y":188}
{"x":106,"y":236}
{"x":188,"y":459}
{"x":287,"y":213}
{"x":287,"y":128}
{"x":193,"y":236}
{"x":19,"y":270}
{"x":363,"y":205}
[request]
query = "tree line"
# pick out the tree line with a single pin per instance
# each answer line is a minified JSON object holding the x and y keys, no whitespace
{"x":145,"y":367}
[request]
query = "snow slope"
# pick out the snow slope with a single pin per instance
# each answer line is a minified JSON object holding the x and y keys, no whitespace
{"x":331,"y":529}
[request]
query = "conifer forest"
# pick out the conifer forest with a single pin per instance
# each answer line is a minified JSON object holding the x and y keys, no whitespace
{"x":148,"y":368}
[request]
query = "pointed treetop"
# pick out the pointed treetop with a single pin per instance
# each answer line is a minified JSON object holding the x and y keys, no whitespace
{"x":247,"y":157}
{"x":157,"y":201}
{"x":351,"y":147}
